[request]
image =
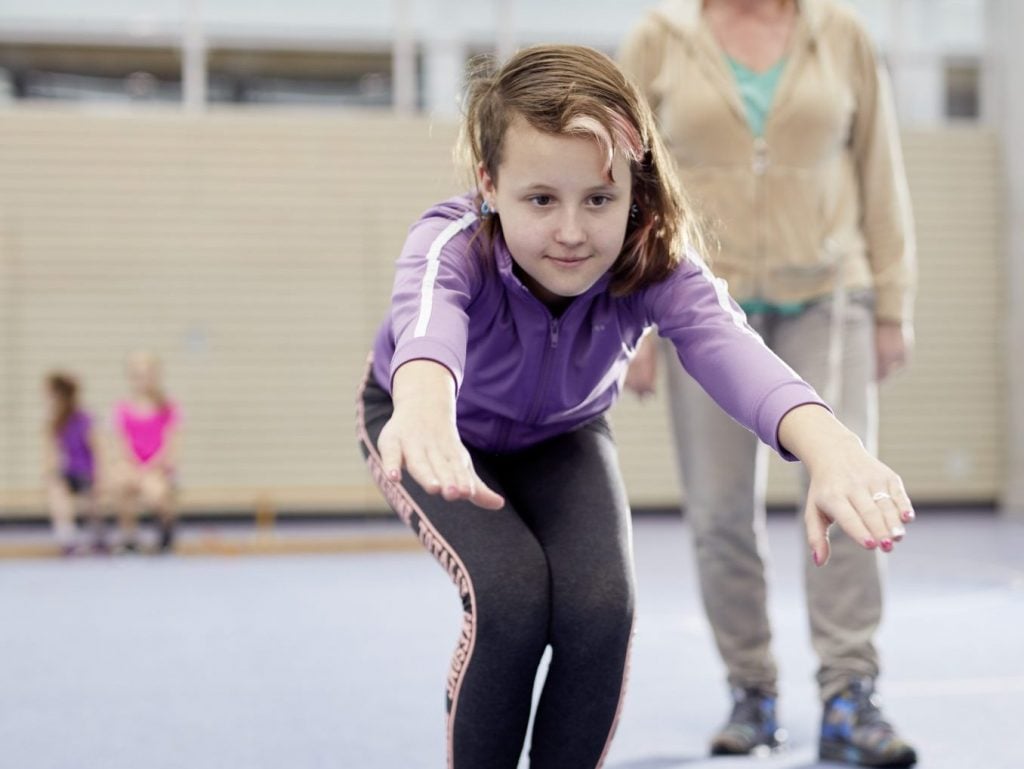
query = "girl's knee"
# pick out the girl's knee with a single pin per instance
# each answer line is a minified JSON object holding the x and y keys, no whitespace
{"x":513,"y":611}
{"x":123,"y":480}
{"x":600,"y":624}
{"x":155,"y":490}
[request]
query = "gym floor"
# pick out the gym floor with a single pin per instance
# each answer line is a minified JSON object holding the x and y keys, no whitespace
{"x":238,"y":655}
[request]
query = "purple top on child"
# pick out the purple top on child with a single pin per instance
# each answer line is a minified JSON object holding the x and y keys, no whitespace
{"x":76,"y":455}
{"x":524,"y":374}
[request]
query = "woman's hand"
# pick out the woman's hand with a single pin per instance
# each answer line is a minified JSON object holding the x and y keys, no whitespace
{"x":893,"y":343}
{"x":421,"y":435}
{"x":642,"y":376}
{"x":848,"y":485}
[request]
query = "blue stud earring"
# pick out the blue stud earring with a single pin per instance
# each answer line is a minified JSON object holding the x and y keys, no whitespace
{"x":485,"y":209}
{"x":634,"y":212}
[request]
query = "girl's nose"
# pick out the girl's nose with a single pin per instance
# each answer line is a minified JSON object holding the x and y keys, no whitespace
{"x":570,"y":231}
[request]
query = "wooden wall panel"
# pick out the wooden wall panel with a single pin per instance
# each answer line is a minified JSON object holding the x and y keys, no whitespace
{"x":254,"y":250}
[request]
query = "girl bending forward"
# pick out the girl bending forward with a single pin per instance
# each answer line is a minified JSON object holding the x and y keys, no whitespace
{"x":514,"y":314}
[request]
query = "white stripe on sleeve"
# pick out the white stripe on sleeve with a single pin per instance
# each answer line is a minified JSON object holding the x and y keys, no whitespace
{"x":433,"y":264}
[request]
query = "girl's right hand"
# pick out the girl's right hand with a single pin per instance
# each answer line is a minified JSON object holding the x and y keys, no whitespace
{"x":421,"y":435}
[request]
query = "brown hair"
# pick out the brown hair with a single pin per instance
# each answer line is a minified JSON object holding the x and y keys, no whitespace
{"x":574,"y":90}
{"x":65,"y":389}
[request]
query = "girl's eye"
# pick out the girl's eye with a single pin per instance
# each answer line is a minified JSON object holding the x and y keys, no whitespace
{"x":600,"y":200}
{"x":541,"y":200}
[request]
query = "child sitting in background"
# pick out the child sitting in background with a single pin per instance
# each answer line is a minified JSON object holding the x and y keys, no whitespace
{"x":70,"y":475}
{"x":146,"y":425}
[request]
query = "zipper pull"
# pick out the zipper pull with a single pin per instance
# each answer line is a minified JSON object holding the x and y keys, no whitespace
{"x":760,"y":160}
{"x":554,"y":333}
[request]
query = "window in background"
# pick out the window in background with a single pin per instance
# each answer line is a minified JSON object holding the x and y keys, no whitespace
{"x":92,"y":73}
{"x":962,"y":87}
{"x":315,"y":78}
{"x":153,"y":74}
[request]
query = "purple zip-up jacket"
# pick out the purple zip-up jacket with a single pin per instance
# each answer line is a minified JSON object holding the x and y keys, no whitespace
{"x":524,"y":375}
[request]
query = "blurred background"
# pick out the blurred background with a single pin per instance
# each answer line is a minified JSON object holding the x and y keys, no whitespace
{"x":228,"y":183}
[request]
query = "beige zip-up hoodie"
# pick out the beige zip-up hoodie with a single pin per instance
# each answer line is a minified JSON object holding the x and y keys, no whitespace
{"x":822,"y":193}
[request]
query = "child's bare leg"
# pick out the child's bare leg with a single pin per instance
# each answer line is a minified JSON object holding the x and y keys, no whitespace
{"x":126,"y":496}
{"x":158,"y":494}
{"x":62,"y":513}
{"x":92,"y":514}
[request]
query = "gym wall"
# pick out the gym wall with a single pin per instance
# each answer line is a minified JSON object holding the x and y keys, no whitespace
{"x":253,"y":251}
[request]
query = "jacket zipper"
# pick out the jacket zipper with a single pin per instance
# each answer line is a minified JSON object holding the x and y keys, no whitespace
{"x":545,"y":370}
{"x":538,"y":396}
{"x":759,"y":164}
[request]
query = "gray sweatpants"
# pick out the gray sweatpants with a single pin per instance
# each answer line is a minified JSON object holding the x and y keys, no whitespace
{"x":724,"y":472}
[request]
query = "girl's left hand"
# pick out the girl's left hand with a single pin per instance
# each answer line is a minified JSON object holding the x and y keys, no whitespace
{"x":848,"y":486}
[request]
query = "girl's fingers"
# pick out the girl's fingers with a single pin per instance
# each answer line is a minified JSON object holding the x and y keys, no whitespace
{"x":459,"y":480}
{"x":417,"y":461}
{"x":872,"y":511}
{"x":843,"y":513}
{"x":902,"y":501}
{"x":465,"y":480}
{"x":485,"y":497}
{"x":891,"y":514}
{"x":470,"y":486}
{"x":390,"y":455}
{"x":455,"y":481}
{"x":817,"y":535}
{"x":447,"y":471}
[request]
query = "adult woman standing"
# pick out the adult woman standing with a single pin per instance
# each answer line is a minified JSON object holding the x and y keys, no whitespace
{"x":781,"y":125}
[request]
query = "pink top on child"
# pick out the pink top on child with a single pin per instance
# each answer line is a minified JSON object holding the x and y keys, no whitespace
{"x":145,"y":431}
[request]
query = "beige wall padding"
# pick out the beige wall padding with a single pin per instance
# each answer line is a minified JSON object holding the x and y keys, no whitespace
{"x":253,"y":252}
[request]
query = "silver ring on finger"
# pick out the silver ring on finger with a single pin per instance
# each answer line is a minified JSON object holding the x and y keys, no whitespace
{"x":878,"y":496}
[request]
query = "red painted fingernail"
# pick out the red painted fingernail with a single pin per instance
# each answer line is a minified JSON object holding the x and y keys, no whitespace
{"x":887,"y":545}
{"x":393,"y":475}
{"x":817,"y":559}
{"x":870,"y":543}
{"x":908,"y":516}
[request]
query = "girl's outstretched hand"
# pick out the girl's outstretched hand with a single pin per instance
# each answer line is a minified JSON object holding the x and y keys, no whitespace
{"x":421,"y":436}
{"x":848,"y":487}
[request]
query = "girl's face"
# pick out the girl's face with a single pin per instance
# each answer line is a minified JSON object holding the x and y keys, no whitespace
{"x":563,"y":219}
{"x":143,"y":375}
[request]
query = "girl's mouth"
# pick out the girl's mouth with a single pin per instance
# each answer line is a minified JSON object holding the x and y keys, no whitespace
{"x":568,"y":261}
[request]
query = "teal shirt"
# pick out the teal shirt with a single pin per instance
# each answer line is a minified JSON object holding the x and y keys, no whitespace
{"x":757,"y":90}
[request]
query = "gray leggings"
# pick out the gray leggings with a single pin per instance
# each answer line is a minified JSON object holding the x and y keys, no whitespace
{"x":553,"y":567}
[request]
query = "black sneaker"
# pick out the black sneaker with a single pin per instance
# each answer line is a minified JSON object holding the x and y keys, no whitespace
{"x":752,"y":727}
{"x":854,"y":731}
{"x":100,"y":547}
{"x":128,"y":546}
{"x":166,"y":540}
